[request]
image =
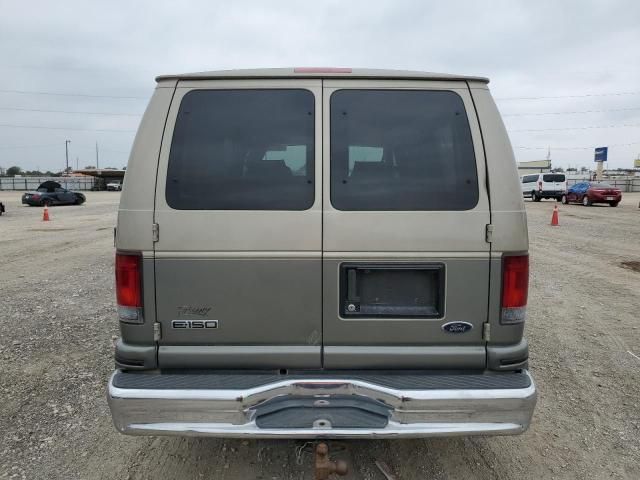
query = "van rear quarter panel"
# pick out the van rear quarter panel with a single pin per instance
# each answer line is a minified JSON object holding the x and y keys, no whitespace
{"x":135,"y":219}
{"x":508,"y":216}
{"x":135,"y":213}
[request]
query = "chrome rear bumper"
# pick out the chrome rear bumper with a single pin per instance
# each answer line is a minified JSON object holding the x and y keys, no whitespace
{"x":235,"y":412}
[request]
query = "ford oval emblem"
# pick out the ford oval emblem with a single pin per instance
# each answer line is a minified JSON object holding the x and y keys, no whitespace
{"x":457,"y":327}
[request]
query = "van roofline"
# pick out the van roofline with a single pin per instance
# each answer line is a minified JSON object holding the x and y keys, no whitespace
{"x":319,"y":72}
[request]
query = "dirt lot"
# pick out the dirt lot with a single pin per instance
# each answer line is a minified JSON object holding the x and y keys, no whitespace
{"x":57,"y":325}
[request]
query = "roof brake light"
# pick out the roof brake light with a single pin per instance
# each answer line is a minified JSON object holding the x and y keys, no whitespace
{"x":321,"y":70}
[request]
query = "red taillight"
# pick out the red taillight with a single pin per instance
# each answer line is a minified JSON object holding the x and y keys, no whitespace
{"x":128,"y":280}
{"x":515,"y":288}
{"x":35,"y":196}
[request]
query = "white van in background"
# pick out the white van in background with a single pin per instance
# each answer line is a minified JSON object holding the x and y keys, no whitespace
{"x":543,"y":185}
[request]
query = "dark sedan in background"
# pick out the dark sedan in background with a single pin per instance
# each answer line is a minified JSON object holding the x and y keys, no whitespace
{"x":588,"y":193}
{"x":52,"y":193}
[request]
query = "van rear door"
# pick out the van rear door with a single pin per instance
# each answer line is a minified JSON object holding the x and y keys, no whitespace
{"x":405,"y":211}
{"x":555,"y":182}
{"x":238,"y":253}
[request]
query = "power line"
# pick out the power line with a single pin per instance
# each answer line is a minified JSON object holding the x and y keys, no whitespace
{"x":16,"y":109}
{"x":611,"y":94}
{"x":32,"y":92}
{"x":27,"y":146}
{"x":569,"y":113}
{"x":577,"y":148}
{"x":57,"y":145}
{"x":67,"y":68}
{"x":574,"y":128}
{"x":126,"y":152}
{"x":7,"y":125}
{"x":59,"y":94}
{"x":69,"y":111}
{"x":139,"y":114}
{"x":66,"y":128}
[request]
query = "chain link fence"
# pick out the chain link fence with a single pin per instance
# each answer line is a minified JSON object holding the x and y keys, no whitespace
{"x":624,"y":184}
{"x":32,"y":183}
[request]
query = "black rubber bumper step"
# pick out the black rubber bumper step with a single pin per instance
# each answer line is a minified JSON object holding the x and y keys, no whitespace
{"x":414,"y":380}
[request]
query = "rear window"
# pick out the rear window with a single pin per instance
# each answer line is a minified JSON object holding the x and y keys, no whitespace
{"x":553,"y":177}
{"x":243,"y":150}
{"x":401,"y":150}
{"x":529,"y":178}
{"x":601,"y":186}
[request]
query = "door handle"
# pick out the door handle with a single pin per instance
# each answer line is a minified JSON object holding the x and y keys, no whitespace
{"x":352,"y":286}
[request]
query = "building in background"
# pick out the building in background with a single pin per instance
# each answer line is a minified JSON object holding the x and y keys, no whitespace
{"x":102,"y":176}
{"x":535,"y":166}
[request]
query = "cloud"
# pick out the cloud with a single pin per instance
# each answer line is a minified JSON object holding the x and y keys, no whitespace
{"x":528,"y":49}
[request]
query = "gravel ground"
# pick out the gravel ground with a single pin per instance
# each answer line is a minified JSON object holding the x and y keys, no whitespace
{"x":57,"y":325}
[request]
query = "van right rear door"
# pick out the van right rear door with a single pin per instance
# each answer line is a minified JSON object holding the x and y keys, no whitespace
{"x":405,"y":212}
{"x":555,"y":182}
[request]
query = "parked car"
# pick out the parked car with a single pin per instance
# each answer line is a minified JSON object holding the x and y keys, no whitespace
{"x":543,"y":185}
{"x":588,"y":193}
{"x":115,"y":186}
{"x":321,"y":253}
{"x":51,"y":193}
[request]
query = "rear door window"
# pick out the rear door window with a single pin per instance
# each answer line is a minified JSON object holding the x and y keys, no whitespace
{"x":553,"y":177}
{"x":243,"y":150}
{"x":529,"y":178}
{"x":401,"y":150}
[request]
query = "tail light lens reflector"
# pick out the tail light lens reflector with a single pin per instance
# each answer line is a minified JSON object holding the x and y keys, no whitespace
{"x":515,"y":288}
{"x":129,"y":287}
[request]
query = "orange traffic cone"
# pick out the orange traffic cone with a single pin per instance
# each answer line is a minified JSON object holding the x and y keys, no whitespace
{"x":554,"y":217}
{"x":45,"y":214}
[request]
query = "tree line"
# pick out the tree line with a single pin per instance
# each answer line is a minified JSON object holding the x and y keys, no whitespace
{"x":15,"y":170}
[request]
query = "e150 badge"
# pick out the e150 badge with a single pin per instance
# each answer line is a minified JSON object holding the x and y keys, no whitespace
{"x":194,"y":324}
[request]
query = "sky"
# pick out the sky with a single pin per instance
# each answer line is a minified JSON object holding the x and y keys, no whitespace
{"x":565,"y":74}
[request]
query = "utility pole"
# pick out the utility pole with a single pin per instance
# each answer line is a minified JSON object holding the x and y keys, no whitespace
{"x":549,"y":157}
{"x":66,"y":151}
{"x":97,"y":158}
{"x":77,"y":161}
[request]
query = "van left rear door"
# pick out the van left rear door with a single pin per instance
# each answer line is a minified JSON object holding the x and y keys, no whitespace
{"x":238,"y":255}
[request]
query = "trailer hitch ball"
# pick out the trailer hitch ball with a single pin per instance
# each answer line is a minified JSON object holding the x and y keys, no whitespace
{"x":325,"y":467}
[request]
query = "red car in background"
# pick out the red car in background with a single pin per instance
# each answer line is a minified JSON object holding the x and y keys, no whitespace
{"x":589,"y":193}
